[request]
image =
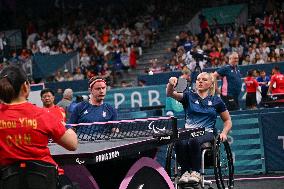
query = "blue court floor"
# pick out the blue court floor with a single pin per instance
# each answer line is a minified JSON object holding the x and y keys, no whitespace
{"x":259,"y":182}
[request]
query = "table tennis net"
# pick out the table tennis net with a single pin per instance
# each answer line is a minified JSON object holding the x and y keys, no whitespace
{"x":151,"y":127}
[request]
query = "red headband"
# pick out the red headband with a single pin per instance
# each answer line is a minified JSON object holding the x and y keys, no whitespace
{"x":96,"y":80}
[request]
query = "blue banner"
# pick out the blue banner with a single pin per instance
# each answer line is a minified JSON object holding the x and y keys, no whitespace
{"x":273,"y":137}
{"x":135,"y":97}
{"x":45,"y":65}
{"x":224,"y":14}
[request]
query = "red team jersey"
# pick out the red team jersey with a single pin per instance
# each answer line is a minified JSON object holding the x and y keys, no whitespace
{"x":24,"y":133}
{"x":277,"y":82}
{"x":58,"y":112}
{"x":251,"y":84}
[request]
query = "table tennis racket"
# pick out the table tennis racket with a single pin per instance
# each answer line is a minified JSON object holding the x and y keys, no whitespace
{"x":181,"y":85}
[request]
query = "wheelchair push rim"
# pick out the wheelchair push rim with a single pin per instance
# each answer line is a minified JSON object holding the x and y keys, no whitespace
{"x":223,"y":165}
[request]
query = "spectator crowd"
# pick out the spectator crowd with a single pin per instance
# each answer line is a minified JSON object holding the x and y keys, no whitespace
{"x":261,"y":41}
{"x":109,"y":38}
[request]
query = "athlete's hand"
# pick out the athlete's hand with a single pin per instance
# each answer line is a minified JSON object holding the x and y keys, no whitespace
{"x":223,"y":137}
{"x":173,"y":81}
{"x":115,"y":130}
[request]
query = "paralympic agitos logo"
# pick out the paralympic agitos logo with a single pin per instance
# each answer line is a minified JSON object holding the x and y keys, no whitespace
{"x":155,"y":129}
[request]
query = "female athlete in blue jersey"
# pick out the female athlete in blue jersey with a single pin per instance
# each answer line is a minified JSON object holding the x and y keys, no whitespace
{"x":201,"y":108}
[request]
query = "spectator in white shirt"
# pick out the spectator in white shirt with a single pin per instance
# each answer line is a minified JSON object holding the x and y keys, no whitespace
{"x":78,"y":75}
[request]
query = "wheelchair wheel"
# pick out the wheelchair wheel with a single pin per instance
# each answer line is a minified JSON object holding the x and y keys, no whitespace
{"x":171,"y":166}
{"x":223,"y":164}
{"x":169,"y":160}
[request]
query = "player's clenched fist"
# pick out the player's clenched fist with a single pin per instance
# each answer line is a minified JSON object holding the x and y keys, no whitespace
{"x":173,"y":81}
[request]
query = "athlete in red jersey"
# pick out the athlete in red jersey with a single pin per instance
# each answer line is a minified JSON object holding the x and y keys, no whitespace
{"x":47,"y":98}
{"x":251,"y":84}
{"x":277,"y":82}
{"x":25,"y":128}
{"x":251,"y":88}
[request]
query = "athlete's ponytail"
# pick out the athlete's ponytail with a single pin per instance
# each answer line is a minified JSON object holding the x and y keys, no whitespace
{"x":213,"y":86}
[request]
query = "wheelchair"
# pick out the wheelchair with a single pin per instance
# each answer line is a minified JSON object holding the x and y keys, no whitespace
{"x":32,"y":175}
{"x":215,"y":154}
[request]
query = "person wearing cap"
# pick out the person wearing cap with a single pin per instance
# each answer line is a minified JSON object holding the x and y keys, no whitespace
{"x":94,"y":110}
{"x":26,"y":128}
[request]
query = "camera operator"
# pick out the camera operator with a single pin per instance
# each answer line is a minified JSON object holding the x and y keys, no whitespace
{"x":196,"y":61}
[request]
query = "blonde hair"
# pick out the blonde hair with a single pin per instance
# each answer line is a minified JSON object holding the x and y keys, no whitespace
{"x":212,"y":88}
{"x":213,"y":80}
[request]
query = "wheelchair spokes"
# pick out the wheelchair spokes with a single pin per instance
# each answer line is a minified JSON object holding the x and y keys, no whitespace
{"x":171,"y":165}
{"x":223,"y":165}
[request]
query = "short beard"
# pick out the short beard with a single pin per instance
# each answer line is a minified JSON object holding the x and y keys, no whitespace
{"x":96,"y":101}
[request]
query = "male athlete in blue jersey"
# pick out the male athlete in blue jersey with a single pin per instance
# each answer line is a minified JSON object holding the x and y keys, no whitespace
{"x":88,"y":112}
{"x":95,"y":110}
{"x":201,"y":109}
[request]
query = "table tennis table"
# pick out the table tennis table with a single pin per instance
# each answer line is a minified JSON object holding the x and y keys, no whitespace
{"x":128,"y":155}
{"x":274,"y":100}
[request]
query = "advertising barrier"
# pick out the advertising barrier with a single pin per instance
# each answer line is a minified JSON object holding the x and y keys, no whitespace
{"x":135,"y":97}
{"x":246,"y":143}
{"x":273,"y":139}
